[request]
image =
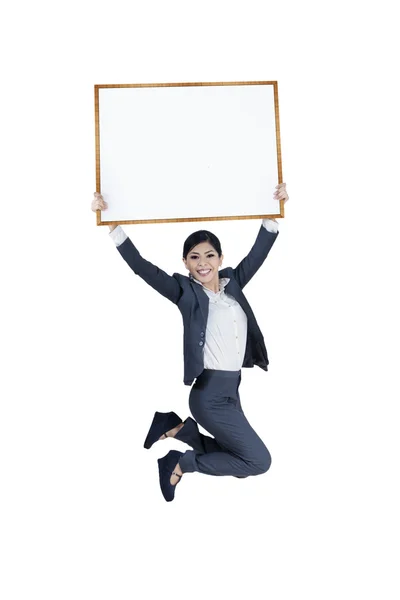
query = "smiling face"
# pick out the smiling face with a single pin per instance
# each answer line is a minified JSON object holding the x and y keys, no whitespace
{"x":203,"y":263}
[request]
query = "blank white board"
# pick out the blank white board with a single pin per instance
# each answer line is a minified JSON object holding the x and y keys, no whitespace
{"x":182,"y":152}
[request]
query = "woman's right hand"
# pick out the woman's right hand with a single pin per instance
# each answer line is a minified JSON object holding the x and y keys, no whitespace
{"x":98,"y":202}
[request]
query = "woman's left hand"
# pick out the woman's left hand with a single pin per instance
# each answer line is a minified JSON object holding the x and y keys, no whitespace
{"x":281,"y":193}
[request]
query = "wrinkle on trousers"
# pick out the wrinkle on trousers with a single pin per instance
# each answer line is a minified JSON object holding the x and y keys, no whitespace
{"x":235,"y":449}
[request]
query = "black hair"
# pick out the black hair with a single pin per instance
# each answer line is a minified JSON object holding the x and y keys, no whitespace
{"x":201,"y":236}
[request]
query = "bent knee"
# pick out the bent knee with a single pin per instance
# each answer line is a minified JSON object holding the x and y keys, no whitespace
{"x":263,"y":463}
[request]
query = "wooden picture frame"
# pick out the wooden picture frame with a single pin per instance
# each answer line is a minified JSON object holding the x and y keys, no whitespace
{"x":134,"y":123}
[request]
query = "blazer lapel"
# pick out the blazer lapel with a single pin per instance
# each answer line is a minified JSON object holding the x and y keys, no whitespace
{"x":233,"y":289}
{"x":202,"y":298}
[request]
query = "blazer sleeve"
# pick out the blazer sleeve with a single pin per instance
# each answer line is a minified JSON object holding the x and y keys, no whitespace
{"x":163,"y":283}
{"x":255,"y":258}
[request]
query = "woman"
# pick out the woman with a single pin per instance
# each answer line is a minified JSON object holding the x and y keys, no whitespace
{"x":221,"y":335}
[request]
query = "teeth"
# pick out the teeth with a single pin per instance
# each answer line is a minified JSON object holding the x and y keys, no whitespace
{"x":204,"y":272}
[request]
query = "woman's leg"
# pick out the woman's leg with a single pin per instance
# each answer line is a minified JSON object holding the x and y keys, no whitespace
{"x":189,"y":434}
{"x":171,"y":426}
{"x":216,"y":407}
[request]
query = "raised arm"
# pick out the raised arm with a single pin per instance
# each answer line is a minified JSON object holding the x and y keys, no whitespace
{"x":263,"y":244}
{"x":157,"y":278}
{"x":163,"y":283}
{"x":255,"y":258}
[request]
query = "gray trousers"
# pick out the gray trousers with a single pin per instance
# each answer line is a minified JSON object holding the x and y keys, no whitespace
{"x":235,"y":448}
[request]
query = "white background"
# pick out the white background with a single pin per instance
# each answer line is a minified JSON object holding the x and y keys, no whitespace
{"x":90,"y":352}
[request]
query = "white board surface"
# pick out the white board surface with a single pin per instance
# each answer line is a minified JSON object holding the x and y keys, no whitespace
{"x":184,"y":152}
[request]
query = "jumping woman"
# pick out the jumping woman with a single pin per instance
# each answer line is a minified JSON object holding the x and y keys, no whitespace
{"x":221,"y":335}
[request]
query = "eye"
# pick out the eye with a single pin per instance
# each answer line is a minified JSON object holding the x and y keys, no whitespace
{"x":208,"y":256}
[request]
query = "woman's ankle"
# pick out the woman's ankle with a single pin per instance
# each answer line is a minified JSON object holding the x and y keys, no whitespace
{"x":175,"y":430}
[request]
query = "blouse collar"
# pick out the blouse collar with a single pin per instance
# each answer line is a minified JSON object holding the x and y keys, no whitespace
{"x":223,"y":282}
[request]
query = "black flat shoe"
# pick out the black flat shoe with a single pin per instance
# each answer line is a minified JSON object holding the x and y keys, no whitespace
{"x":162,"y":422}
{"x":166,"y":466}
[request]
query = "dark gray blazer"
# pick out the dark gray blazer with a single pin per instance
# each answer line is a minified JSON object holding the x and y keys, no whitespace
{"x":193,"y":302}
